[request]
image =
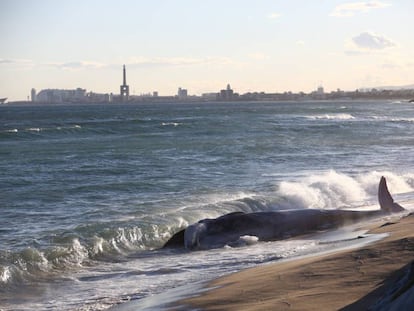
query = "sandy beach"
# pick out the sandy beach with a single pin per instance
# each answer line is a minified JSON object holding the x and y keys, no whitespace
{"x":346,"y":280}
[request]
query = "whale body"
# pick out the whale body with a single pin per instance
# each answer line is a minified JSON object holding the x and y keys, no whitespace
{"x":275,"y":225}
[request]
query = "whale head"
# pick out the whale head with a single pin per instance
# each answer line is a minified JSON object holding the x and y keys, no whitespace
{"x":193,"y":234}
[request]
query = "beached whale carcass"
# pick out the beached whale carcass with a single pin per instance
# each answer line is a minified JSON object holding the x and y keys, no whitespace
{"x":277,"y":225}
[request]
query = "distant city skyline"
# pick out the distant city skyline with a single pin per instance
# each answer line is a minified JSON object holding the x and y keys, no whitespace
{"x":82,"y":96}
{"x":269,"y":46}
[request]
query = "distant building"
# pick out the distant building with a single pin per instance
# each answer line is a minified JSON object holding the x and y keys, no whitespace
{"x":33,"y":95}
{"x":124,"y":88}
{"x":98,"y":98}
{"x":320,"y":90}
{"x":209,"y":96}
{"x":62,"y":96}
{"x":227,"y":94}
{"x":155,"y":94}
{"x":182,"y":93}
{"x":319,"y":93}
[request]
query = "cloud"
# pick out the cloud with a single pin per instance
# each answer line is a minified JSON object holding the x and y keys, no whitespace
{"x":370,"y":41}
{"x":353,"y":8}
{"x":354,"y":52}
{"x":62,"y":65}
{"x":391,"y":65}
{"x":258,"y":56}
{"x":397,"y":64}
{"x":138,"y":62}
{"x":178,"y":61}
{"x":4,"y":61}
{"x":367,"y":43}
{"x":274,"y":15}
{"x":132,"y":62}
{"x":77,"y":65}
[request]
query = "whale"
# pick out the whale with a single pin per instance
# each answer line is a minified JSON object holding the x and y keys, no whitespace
{"x":230,"y":228}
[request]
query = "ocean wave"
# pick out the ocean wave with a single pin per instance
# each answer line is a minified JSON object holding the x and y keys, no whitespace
{"x":334,"y":190}
{"x":53,"y":128}
{"x":350,"y":117}
{"x":41,"y":130}
{"x":393,"y":119}
{"x":68,"y":253}
{"x":322,"y":190}
{"x":335,"y":116}
{"x":91,"y":243}
{"x":34,"y":129}
{"x":10,"y":131}
{"x":30,"y":264}
{"x":326,"y":190}
{"x":171,"y":124}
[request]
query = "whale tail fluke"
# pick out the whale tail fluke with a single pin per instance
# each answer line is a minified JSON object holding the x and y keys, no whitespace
{"x":385,"y":199}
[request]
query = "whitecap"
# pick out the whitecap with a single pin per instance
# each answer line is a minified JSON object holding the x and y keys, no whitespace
{"x":334,"y":190}
{"x":98,"y":246}
{"x":336,"y":116}
{"x":80,"y":250}
{"x":10,"y":131}
{"x":171,"y":124}
{"x":5,"y":275}
{"x":391,"y":119}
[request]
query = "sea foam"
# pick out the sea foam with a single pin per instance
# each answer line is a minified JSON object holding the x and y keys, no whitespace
{"x":337,"y":190}
{"x":337,"y":116}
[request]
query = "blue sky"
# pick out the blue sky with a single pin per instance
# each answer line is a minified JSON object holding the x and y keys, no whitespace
{"x":259,"y":45}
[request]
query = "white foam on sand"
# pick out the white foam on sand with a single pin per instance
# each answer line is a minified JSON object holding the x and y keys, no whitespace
{"x":164,"y":301}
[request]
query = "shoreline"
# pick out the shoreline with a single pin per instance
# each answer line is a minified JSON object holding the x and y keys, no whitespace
{"x":350,"y":279}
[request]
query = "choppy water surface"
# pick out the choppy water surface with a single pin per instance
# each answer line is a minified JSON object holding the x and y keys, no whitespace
{"x":89,"y":193}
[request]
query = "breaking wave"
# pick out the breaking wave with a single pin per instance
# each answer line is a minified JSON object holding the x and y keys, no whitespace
{"x":336,"y":116}
{"x":350,"y":117}
{"x":393,"y":119}
{"x":32,"y":263}
{"x":174,"y":124}
{"x":28,"y":131}
{"x":333,"y":190}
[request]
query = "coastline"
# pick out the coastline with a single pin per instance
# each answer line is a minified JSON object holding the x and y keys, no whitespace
{"x":345,"y":280}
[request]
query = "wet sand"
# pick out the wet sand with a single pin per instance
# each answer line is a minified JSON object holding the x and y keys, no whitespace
{"x":346,"y":280}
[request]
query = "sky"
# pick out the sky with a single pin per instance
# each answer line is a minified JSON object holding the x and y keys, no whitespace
{"x":254,"y":45}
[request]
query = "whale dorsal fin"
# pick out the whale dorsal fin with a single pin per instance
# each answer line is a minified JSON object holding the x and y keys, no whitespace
{"x":385,"y":199}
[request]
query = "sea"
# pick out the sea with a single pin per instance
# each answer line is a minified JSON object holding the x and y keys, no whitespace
{"x":90,"y":193}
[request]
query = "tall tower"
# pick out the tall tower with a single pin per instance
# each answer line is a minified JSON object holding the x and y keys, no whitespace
{"x":33,"y":95}
{"x":124,"y":88}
